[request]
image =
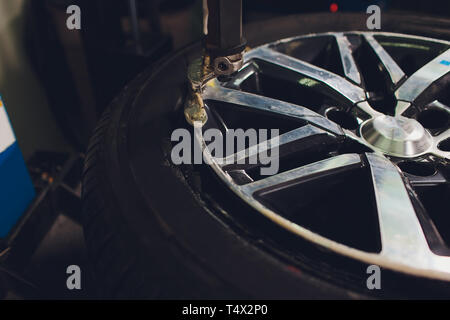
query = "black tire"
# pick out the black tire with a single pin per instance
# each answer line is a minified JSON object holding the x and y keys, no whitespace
{"x":139,"y":237}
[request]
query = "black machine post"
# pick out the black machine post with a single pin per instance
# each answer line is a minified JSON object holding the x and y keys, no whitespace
{"x":224,"y":40}
{"x":223,"y":54}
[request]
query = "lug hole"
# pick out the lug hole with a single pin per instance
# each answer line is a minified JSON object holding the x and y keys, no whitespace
{"x":420,"y":169}
{"x":342,"y":118}
{"x":433,"y":118}
{"x":444,"y":145}
{"x":222,"y":66}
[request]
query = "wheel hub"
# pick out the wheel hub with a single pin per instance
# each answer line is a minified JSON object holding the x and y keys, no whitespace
{"x":397,"y":136}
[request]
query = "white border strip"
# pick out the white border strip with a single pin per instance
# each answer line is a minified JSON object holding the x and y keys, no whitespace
{"x":7,"y":137}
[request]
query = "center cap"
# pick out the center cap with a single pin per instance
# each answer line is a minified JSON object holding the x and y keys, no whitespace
{"x":397,"y":136}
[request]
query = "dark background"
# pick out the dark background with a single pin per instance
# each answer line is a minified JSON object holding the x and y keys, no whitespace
{"x":97,"y":61}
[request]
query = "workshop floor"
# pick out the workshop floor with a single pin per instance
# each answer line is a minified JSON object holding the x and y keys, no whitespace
{"x":49,"y":237}
{"x":62,"y":246}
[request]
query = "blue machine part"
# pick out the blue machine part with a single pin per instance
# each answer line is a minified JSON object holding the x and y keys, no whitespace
{"x":16,"y":188}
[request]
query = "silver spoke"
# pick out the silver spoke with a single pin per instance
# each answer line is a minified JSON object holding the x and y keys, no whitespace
{"x":256,"y":102}
{"x":402,"y":107}
{"x":348,"y":62}
{"x":355,"y":137}
{"x":402,"y":236}
{"x":316,"y":169}
{"x":338,"y":84}
{"x":395,"y":72}
{"x":367,"y":110}
{"x":243,"y":75}
{"x":418,"y":82}
{"x":440,"y":153}
{"x":284,"y":140}
{"x":444,"y":135}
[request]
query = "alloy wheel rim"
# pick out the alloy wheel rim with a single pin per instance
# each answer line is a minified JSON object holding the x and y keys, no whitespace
{"x":398,"y":151}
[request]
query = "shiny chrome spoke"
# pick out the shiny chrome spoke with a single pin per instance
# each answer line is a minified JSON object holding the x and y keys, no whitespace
{"x":419,"y":81}
{"x":402,"y":237}
{"x":242,"y":76}
{"x":444,"y":135}
{"x":395,"y":73}
{"x":348,"y":62}
{"x":314,"y":170}
{"x":402,"y":107}
{"x":251,"y":101}
{"x":352,"y":136}
{"x":288,"y":140}
{"x":292,"y":66}
{"x":441,"y":154}
{"x":365,"y":111}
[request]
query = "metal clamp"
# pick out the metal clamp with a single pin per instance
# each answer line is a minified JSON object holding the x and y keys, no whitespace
{"x":225,"y":66}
